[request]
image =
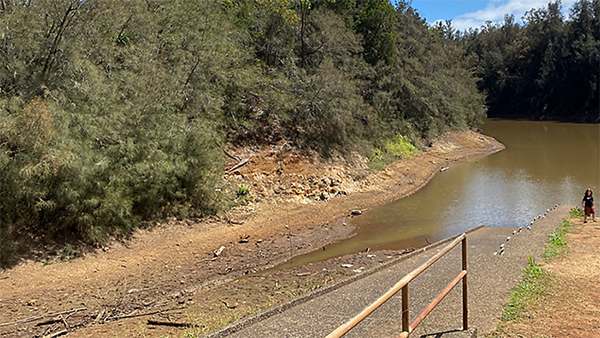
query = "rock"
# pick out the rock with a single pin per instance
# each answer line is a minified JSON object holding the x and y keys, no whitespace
{"x":356,"y":212}
{"x":347,"y":265}
{"x":244,"y":238}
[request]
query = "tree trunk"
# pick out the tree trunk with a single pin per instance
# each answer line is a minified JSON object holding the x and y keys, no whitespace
{"x":65,"y":22}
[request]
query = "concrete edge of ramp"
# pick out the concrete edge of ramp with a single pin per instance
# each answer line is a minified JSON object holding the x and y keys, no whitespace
{"x":262,"y":315}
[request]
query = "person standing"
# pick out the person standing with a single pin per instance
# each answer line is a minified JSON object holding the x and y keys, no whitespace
{"x":588,"y":206}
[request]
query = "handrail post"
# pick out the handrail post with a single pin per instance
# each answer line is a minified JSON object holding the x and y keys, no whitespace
{"x":405,"y":305}
{"x":464,"y":285}
{"x":407,"y":326}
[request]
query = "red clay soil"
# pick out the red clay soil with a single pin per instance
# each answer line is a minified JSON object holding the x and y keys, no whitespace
{"x":172,"y":271}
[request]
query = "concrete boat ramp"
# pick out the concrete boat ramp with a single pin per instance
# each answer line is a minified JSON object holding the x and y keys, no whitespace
{"x":490,"y":279}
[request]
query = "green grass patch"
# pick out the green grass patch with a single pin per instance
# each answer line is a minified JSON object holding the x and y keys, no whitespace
{"x":557,"y":243}
{"x":576,"y":213}
{"x":526,"y":292}
{"x":243,"y":191}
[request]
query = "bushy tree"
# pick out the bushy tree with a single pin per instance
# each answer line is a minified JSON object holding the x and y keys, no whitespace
{"x":547,"y":69}
{"x":112,"y":112}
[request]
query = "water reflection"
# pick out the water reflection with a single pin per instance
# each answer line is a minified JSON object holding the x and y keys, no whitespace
{"x":544,"y":164}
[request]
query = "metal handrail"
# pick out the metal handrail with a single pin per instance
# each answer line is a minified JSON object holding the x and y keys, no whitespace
{"x":407,"y":328}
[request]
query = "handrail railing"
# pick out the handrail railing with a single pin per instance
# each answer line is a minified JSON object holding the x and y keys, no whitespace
{"x":408,"y":328}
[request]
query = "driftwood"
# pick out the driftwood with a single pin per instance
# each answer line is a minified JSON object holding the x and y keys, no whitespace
{"x":49,"y":321}
{"x":218,"y":252}
{"x":56,"y":334}
{"x":215,"y":255}
{"x":230,"y":221}
{"x":239,"y":165}
{"x":64,"y":320}
{"x":168,"y":323}
{"x":133,"y":315}
{"x":31,"y":319}
{"x":99,"y":316}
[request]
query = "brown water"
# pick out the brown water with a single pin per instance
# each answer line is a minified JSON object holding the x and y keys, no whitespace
{"x":544,"y":164}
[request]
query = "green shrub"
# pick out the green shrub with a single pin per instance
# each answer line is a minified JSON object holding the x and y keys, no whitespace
{"x":400,"y":146}
{"x":113,"y":121}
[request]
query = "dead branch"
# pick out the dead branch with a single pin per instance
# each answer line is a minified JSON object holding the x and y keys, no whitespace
{"x":31,"y":319}
{"x":56,"y":334}
{"x":99,"y":316}
{"x":167,"y":323}
{"x":48,"y":322}
{"x":233,"y":157}
{"x":230,"y":221}
{"x":64,"y":322}
{"x":133,"y":315}
{"x":239,"y":165}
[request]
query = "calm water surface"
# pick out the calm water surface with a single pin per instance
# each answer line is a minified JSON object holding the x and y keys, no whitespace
{"x":544,"y":164}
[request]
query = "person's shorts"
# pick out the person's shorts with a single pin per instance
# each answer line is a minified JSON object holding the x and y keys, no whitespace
{"x":589,"y":211}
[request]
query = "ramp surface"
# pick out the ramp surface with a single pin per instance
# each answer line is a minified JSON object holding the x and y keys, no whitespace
{"x":490,"y":279}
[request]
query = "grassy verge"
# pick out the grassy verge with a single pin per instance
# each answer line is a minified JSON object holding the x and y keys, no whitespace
{"x":529,"y":292}
{"x":557,"y":244}
{"x":576,"y":213}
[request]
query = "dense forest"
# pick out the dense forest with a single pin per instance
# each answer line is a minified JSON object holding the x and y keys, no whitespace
{"x":114,"y":114}
{"x":545,"y":69}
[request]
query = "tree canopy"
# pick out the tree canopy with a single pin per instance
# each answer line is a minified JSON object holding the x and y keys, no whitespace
{"x":546,"y":69}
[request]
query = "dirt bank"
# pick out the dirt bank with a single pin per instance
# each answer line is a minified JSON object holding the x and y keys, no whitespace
{"x":298,"y":204}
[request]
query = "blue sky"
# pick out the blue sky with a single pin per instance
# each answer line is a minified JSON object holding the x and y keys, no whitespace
{"x":474,"y":13}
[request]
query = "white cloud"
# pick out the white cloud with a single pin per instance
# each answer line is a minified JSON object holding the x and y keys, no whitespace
{"x":497,"y":9}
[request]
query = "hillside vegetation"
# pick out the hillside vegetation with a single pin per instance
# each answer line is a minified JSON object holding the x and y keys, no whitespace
{"x":546,"y":69}
{"x":112,"y":113}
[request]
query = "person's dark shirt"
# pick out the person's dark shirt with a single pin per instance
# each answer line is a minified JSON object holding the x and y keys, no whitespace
{"x":589,"y":201}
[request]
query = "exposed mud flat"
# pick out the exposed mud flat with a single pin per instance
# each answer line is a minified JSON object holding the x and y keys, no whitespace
{"x":298,"y":204}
